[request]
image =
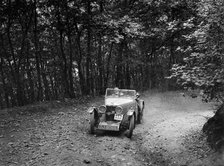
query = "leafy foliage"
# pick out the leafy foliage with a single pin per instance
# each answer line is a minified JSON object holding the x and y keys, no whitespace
{"x":203,"y":68}
{"x":57,"y":49}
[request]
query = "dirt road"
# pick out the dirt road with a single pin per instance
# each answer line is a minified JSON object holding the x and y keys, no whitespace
{"x":169,"y":136}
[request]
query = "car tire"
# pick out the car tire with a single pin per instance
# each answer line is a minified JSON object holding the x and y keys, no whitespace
{"x":141,"y":112}
{"x":92,"y":123}
{"x":131,"y":126}
{"x":141,"y":117}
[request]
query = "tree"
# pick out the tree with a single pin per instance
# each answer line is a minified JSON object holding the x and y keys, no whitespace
{"x":65,"y":48}
{"x":203,"y":68}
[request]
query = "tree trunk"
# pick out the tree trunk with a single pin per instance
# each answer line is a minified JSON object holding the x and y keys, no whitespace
{"x":71,"y":67}
{"x":37,"y":56}
{"x":46,"y":86}
{"x":45,"y":82}
{"x":30,"y":80}
{"x":1,"y":102}
{"x":80,"y":71}
{"x":16,"y":77}
{"x":119,"y":82}
{"x":100,"y":66}
{"x":19,"y":92}
{"x":108,"y":66}
{"x":70,"y":70}
{"x":171,"y":60}
{"x":88,"y":60}
{"x":64,"y":67}
{"x":52,"y":96}
{"x":128,"y":77}
{"x":127,"y":68}
{"x":6,"y":95}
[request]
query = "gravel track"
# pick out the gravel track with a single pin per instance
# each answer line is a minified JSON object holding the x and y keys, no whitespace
{"x":170,"y":135}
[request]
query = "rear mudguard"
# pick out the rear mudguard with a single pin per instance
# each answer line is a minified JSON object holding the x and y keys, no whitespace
{"x":141,"y":104}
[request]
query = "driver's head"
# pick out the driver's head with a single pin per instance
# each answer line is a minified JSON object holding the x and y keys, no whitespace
{"x":116,"y":89}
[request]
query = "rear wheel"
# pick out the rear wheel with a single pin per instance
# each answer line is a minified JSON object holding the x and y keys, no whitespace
{"x":141,"y":116}
{"x":140,"y":113}
{"x":131,"y":126}
{"x":92,"y":123}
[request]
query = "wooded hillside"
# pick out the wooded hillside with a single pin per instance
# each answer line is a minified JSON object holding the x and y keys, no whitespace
{"x":51,"y":49}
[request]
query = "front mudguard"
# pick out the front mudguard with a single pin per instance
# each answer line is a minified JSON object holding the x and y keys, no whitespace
{"x":130,"y":112}
{"x":97,"y":115}
{"x":125,"y":121}
{"x":93,"y":110}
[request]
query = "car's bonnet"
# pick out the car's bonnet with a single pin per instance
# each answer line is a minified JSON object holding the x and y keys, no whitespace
{"x":117,"y":101}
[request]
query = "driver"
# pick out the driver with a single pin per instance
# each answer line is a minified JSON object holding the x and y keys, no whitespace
{"x":116,"y":91}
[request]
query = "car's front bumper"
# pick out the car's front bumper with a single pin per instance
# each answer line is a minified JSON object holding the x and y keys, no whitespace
{"x":109,"y":125}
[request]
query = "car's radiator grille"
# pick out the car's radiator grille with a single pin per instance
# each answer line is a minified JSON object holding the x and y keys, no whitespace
{"x":110,"y":113}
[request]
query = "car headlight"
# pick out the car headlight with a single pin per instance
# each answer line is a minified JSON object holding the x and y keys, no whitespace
{"x":119,"y":110}
{"x":102,"y":109}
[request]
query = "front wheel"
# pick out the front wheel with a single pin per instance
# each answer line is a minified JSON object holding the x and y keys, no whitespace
{"x":92,"y":123}
{"x":131,"y":126}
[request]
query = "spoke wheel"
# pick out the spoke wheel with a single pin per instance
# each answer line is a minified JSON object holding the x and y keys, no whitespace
{"x":92,"y":123}
{"x":141,"y":116}
{"x":131,"y":126}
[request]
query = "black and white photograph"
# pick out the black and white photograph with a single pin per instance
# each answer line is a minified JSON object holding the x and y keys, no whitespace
{"x":111,"y":83}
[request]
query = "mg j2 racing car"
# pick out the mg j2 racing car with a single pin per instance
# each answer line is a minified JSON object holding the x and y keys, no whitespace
{"x":122,"y":109}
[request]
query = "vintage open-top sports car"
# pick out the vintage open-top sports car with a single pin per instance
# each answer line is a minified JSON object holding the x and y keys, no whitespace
{"x":122,"y":110}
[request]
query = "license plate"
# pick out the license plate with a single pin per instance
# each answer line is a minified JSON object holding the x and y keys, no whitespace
{"x":118,"y":117}
{"x":105,"y":126}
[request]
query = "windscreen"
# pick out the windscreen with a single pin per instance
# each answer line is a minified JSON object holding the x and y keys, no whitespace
{"x":120,"y":93}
